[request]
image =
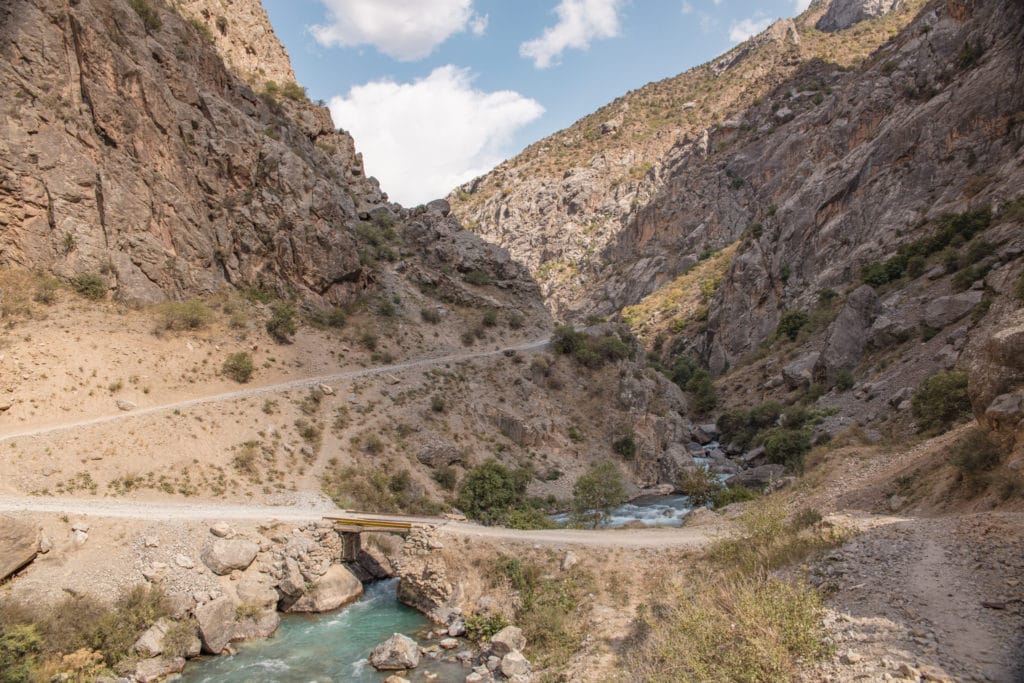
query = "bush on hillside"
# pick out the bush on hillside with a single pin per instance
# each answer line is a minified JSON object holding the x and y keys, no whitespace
{"x":490,"y":490}
{"x":281,"y":325}
{"x":791,"y":323}
{"x":90,"y":285}
{"x":185,"y":315}
{"x":940,"y":401}
{"x":239,"y":366}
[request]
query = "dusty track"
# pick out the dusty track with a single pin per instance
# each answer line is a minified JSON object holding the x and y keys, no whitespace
{"x":273,"y":388}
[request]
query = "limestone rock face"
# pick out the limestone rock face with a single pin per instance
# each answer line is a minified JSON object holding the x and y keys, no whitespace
{"x":224,"y":555}
{"x":843,"y":14}
{"x":397,"y":653}
{"x":19,"y":544}
{"x":337,"y":587}
{"x":155,"y":163}
{"x":243,"y":36}
{"x":848,"y":334}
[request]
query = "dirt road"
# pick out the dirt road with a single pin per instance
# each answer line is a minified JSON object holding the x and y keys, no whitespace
{"x":274,"y":388}
{"x":206,"y":511}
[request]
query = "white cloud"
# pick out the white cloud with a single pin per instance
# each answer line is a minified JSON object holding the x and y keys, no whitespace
{"x":801,"y":5}
{"x":478,"y":24}
{"x":687,"y":8}
{"x":421,"y":139}
{"x":402,"y":29}
{"x":707,"y":23}
{"x":579,"y":22}
{"x":747,"y":28}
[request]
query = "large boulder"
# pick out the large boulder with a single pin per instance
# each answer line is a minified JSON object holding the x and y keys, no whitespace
{"x":996,"y":382}
{"x":848,"y":334}
{"x":216,"y":622}
{"x":507,"y":640}
{"x":514,"y":664}
{"x":397,"y":653}
{"x":256,"y":626}
{"x":224,"y":555}
{"x":758,"y":477}
{"x":801,"y":371}
{"x":337,"y":587}
{"x":158,"y":668}
{"x":946,"y":310}
{"x":19,"y":544}
{"x":438,"y":452}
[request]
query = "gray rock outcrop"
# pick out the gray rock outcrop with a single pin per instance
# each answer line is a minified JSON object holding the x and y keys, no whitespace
{"x":843,"y":14}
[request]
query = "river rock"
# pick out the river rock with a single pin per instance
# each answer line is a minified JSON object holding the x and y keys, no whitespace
{"x":151,"y":643}
{"x":222,"y":530}
{"x":257,"y":626}
{"x":514,"y":664}
{"x":397,"y":653}
{"x":216,"y":621}
{"x":225,"y":555}
{"x":19,"y":543}
{"x":757,"y":477}
{"x":506,"y":640}
{"x":158,"y":668}
{"x":292,"y":584}
{"x":337,"y":587}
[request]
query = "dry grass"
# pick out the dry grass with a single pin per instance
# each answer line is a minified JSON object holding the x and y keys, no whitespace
{"x":682,"y":302}
{"x":726,"y":627}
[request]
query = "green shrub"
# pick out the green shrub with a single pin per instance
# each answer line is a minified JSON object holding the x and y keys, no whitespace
{"x":527,"y":518}
{"x":702,"y":390}
{"x":791,"y":323}
{"x":699,"y":484}
{"x":21,"y":647}
{"x":490,"y":318}
{"x":90,"y":285}
{"x":185,"y":315}
{"x":430,"y":315}
{"x":490,"y":490}
{"x":974,"y":454}
{"x":741,"y":426}
{"x":150,"y":18}
{"x":281,"y":325}
{"x":239,"y":366}
{"x":940,"y":401}
{"x":844,"y":380}
{"x":787,"y":447}
{"x":437,"y":403}
{"x":482,"y":626}
{"x":952,"y":231}
{"x":477,"y":277}
{"x":446,"y":477}
{"x":332,"y":316}
{"x":46,"y":289}
{"x":516,"y":320}
{"x":293,"y":91}
{"x":596,"y":492}
{"x":590,"y":351}
{"x":733,"y":494}
{"x":625,"y":445}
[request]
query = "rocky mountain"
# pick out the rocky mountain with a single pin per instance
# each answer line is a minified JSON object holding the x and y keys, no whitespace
{"x":159,"y":167}
{"x":563,"y":204}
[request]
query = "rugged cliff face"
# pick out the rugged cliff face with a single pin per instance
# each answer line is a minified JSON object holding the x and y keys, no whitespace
{"x":130,"y":149}
{"x":561,"y":206}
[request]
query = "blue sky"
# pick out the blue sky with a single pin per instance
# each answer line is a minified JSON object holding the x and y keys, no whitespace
{"x":436,"y":92}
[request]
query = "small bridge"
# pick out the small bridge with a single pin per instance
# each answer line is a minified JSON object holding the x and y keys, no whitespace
{"x":352,"y":525}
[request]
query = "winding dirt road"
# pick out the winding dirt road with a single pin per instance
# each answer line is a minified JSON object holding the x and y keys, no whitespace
{"x":303,"y":383}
